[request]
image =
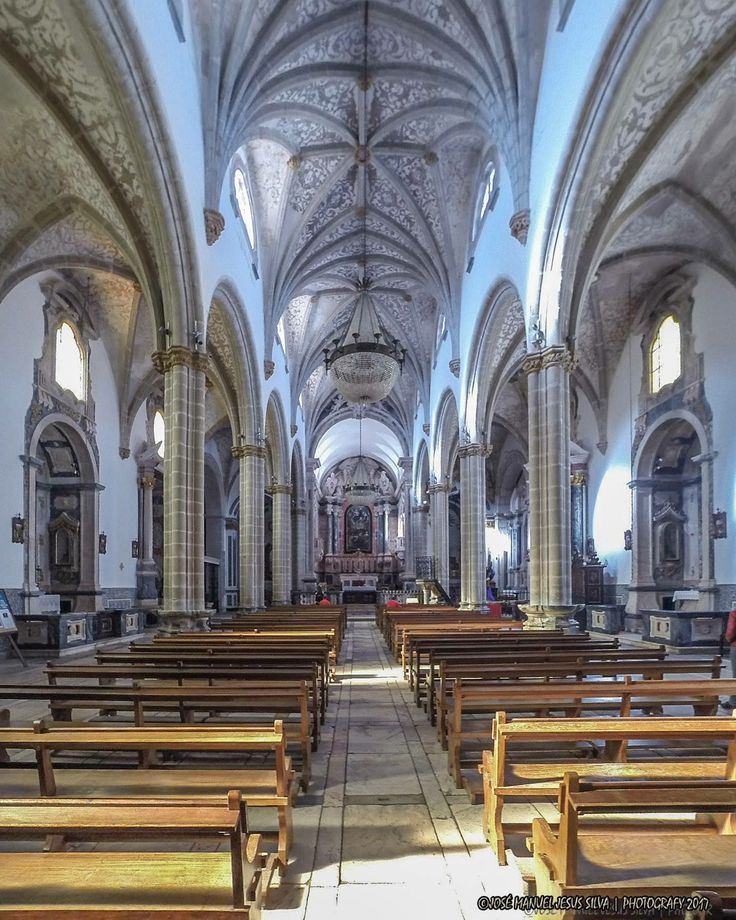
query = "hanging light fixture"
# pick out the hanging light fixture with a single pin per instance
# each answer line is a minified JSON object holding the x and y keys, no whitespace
{"x":360,"y":489}
{"x":363,"y":368}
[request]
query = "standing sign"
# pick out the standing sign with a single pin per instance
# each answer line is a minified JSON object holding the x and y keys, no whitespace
{"x":7,"y":625}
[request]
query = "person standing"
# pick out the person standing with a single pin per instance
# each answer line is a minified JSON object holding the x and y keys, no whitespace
{"x":731,"y":639}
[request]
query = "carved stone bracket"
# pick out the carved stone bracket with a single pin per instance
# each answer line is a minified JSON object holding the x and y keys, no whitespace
{"x":454,"y":366}
{"x":519,"y":225}
{"x":555,"y":355}
{"x":214,"y":224}
{"x":425,"y":428}
{"x":268,"y":368}
{"x":248,"y":450}
{"x":474,"y":450}
{"x":163,"y":361}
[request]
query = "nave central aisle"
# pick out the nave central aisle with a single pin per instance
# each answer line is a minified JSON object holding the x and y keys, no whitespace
{"x":383,"y":832}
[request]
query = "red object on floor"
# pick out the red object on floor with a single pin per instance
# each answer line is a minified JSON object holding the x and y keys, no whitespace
{"x":325,"y":603}
{"x":494,"y":608}
{"x":394,"y":605}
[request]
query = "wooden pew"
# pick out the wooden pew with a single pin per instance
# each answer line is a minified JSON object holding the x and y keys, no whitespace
{"x":440,"y":686}
{"x":419,"y":643}
{"x":260,"y":787}
{"x":149,"y":703}
{"x":473,"y":708}
{"x":137,"y":820}
{"x":291,"y":639}
{"x":195,"y":673}
{"x":507,"y":775}
{"x":245,"y":664}
{"x":613,"y":858}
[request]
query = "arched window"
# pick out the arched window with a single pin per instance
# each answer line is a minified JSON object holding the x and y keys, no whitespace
{"x":489,"y":187}
{"x":69,"y":369}
{"x":159,"y":432}
{"x":242,"y":196}
{"x":665,"y":354}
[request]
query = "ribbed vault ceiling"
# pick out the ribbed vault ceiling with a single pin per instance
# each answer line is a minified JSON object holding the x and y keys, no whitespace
{"x":326,"y":152}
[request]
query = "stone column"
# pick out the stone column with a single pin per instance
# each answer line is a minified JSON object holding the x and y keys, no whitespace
{"x":473,"y":525}
{"x":184,"y":390}
{"x":31,"y":591}
{"x":550,"y":594}
{"x":281,"y":493}
{"x":419,"y":520}
{"x":300,"y":543}
{"x":252,"y":471}
{"x":310,"y":580}
{"x":642,"y":587}
{"x":145,"y":569}
{"x":438,"y":503}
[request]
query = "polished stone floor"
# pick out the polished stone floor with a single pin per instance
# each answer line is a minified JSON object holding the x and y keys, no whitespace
{"x":382,"y":832}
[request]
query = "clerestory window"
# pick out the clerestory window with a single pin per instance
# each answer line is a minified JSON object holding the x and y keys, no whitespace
{"x":665,"y":354}
{"x":69,"y":367}
{"x":245,"y":207}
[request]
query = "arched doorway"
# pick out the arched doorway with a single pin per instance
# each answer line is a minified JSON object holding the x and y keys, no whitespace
{"x":63,"y":505}
{"x":672,"y":543}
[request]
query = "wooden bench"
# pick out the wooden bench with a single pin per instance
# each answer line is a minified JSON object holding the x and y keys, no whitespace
{"x":191,"y":673}
{"x":506,"y":775}
{"x":139,"y":820}
{"x":440,"y":687}
{"x":299,"y":640}
{"x":473,"y":709}
{"x":612,"y":859}
{"x":420,"y":644}
{"x":260,"y":787}
{"x":149,"y":703}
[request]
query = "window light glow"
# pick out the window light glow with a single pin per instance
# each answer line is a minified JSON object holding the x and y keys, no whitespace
{"x":488,"y":189}
{"x":69,"y":361}
{"x":665,"y":358}
{"x":244,"y":205}
{"x":159,"y":432}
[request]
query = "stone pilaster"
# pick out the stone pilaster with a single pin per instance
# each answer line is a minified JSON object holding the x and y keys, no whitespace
{"x":299,"y":537}
{"x":145,"y":566}
{"x":310,"y":580}
{"x":419,"y":515}
{"x":472,"y":525}
{"x":439,"y":509}
{"x":252,"y":473}
{"x":281,"y":493}
{"x":550,"y":595}
{"x":184,"y":390}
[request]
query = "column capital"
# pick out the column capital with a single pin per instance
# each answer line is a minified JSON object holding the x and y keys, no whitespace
{"x":313,"y":464}
{"x":147,"y":482}
{"x":164,"y":361}
{"x":280,"y":488}
{"x":578,"y":478}
{"x":474,"y":449}
{"x":434,"y":487}
{"x":554,"y":356}
{"x":248,"y":450}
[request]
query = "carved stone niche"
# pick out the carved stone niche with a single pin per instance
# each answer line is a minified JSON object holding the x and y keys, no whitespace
{"x":668,"y":524}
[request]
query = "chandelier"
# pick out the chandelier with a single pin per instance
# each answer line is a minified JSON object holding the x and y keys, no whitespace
{"x":360,"y":490}
{"x":363,"y":368}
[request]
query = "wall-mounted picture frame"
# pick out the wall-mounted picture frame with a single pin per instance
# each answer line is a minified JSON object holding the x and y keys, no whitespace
{"x":18,"y":529}
{"x":720,"y":525}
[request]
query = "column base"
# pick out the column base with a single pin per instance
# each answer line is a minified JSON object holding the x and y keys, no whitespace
{"x":539,"y":616}
{"x":174,"y":621}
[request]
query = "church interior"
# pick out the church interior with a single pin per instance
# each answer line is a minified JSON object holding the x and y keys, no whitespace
{"x":368,"y":471}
